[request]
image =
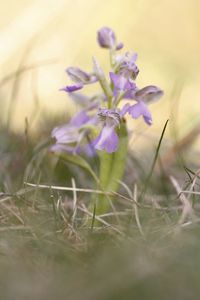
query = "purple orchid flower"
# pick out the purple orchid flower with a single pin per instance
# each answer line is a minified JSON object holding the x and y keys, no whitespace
{"x":69,"y":137}
{"x":69,"y":133}
{"x":137,"y":110}
{"x":121,"y":83}
{"x":107,"y":39}
{"x":80,"y":78}
{"x":126,"y":72}
{"x":108,"y":139}
{"x":126,"y":66}
{"x":143,"y":96}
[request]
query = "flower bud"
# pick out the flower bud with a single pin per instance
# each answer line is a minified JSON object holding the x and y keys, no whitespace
{"x":126,"y":65}
{"x":78,"y":75}
{"x":106,"y":38}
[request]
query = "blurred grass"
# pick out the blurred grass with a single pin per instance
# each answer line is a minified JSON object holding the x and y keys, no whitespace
{"x":46,"y":252}
{"x":47,"y":256}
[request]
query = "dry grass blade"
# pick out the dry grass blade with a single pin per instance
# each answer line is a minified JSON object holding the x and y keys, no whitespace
{"x":187,"y":207}
{"x":74,"y":200}
{"x":13,"y":212}
{"x":17,"y":194}
{"x":137,"y":218}
{"x":63,"y":188}
{"x":98,"y":218}
{"x":190,"y":192}
{"x":18,"y":227}
{"x":134,"y":197}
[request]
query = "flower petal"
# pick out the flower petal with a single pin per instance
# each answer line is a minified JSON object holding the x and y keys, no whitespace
{"x":80,"y":76}
{"x":79,"y":119}
{"x":140,"y":109}
{"x":148,"y":94}
{"x":126,"y":65}
{"x":72,"y":88}
{"x":124,"y":109}
{"x":107,"y":140}
{"x":65,"y":134}
{"x":121,"y":82}
{"x":110,"y":117}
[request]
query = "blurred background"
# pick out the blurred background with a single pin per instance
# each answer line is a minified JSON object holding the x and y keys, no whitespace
{"x":39,"y":39}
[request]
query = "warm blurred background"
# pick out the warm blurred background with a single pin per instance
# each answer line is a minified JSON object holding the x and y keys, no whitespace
{"x":39,"y":39}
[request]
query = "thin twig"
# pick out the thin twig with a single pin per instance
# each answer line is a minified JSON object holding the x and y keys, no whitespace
{"x":187,"y":207}
{"x":137,"y":218}
{"x":63,"y":188}
{"x":74,"y":201}
{"x":17,"y":194}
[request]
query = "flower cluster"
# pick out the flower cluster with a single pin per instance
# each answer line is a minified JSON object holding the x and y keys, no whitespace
{"x":95,"y":126}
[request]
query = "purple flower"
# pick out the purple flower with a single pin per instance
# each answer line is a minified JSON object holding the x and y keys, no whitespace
{"x":79,"y":119}
{"x":69,"y":133}
{"x":137,"y":110}
{"x":107,"y":39}
{"x":125,"y":73}
{"x":109,"y":116}
{"x":80,"y":78}
{"x":121,"y":83}
{"x":143,"y":96}
{"x":140,"y":109}
{"x":69,"y":137}
{"x":108,"y":139}
{"x":125,"y":65}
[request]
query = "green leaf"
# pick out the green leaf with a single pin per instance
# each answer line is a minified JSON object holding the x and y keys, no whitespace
{"x":79,"y":161}
{"x":146,"y":184}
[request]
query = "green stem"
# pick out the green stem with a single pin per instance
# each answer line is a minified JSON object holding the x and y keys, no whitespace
{"x":105,"y":168}
{"x":119,"y":160}
{"x":112,"y":168}
{"x":112,"y":58}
